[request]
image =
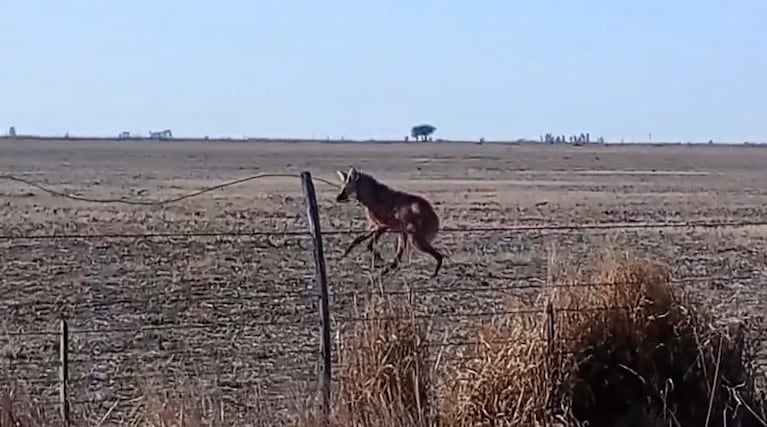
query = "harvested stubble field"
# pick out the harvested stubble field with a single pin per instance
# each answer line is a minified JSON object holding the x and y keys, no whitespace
{"x":235,"y":315}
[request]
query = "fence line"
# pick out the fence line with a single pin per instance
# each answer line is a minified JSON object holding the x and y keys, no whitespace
{"x":219,"y":373}
{"x":320,"y":294}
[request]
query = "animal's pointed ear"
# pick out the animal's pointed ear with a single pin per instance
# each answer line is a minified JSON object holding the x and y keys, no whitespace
{"x":342,"y":176}
{"x":353,"y":174}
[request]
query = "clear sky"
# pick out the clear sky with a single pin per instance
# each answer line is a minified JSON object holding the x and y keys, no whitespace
{"x":681,"y":70}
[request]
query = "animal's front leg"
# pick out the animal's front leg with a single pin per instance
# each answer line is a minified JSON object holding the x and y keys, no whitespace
{"x":357,"y":240}
{"x":371,"y":244}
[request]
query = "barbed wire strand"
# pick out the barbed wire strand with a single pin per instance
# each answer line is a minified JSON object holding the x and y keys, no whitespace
{"x":123,"y":401}
{"x":304,"y":371}
{"x":416,"y":291}
{"x":89,"y":305}
{"x":468,"y":315}
{"x":178,"y":327}
{"x":308,"y":294}
{"x":352,"y":319}
{"x":145,"y":354}
{"x":447,"y":230}
{"x":176,"y":199}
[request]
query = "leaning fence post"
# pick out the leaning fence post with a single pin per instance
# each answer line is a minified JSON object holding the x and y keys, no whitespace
{"x":321,"y":281}
{"x":64,"y":371}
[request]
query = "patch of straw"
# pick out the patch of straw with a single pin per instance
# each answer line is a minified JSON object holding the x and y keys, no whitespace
{"x":385,"y":375}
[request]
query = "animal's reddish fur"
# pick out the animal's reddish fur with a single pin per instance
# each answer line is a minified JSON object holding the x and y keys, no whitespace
{"x":411,"y":216}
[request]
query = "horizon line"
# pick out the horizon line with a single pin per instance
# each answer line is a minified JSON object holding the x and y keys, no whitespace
{"x":518,"y":141}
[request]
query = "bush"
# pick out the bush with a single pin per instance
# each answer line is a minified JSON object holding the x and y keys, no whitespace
{"x":632,"y":351}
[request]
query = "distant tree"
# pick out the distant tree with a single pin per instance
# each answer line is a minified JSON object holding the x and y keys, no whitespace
{"x":422,"y":132}
{"x":12,"y":131}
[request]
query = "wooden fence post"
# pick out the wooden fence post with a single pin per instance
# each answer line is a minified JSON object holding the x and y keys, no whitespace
{"x":321,"y":282}
{"x":64,"y":372}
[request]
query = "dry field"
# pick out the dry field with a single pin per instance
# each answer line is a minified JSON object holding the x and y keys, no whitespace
{"x":235,"y":316}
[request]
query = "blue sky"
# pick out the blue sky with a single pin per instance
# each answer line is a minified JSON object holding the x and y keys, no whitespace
{"x":681,"y":70}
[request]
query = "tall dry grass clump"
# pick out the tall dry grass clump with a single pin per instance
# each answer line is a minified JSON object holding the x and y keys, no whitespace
{"x":505,"y":380}
{"x":630,"y":351}
{"x":385,"y":375}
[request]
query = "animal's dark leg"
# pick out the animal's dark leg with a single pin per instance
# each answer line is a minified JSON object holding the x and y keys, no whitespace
{"x":357,"y":240}
{"x":401,"y":246}
{"x":371,"y":244}
{"x":425,"y":246}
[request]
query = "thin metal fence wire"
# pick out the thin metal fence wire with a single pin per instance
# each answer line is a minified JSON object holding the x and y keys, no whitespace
{"x":93,"y":377}
{"x":29,"y":380}
{"x":180,"y":327}
{"x":30,"y":334}
{"x":149,"y":356}
{"x":39,"y":362}
{"x":166,"y":299}
{"x":446,"y":230}
{"x":426,"y":290}
{"x":457,"y":316}
{"x":541,"y":285}
{"x":140,"y":236}
{"x":176,"y":327}
{"x":137,"y":399}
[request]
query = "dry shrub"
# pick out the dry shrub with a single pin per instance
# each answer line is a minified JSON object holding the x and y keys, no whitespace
{"x":632,"y":351}
{"x":385,"y":374}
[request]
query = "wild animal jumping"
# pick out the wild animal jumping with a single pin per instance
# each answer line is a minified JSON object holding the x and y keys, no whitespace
{"x":411,"y":216}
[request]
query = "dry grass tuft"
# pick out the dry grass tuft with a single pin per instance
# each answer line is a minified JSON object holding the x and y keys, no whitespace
{"x":505,"y":381}
{"x":187,"y":405}
{"x":633,"y":352}
{"x":386,"y":373}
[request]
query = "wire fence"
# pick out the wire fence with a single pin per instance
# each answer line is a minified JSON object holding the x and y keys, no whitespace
{"x":95,"y":344}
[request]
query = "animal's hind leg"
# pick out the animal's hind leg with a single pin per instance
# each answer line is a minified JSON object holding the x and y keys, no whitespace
{"x":423,"y":245}
{"x":357,"y":240}
{"x":401,"y":246}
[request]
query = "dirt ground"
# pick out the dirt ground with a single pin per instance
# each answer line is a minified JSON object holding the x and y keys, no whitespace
{"x":237,"y":314}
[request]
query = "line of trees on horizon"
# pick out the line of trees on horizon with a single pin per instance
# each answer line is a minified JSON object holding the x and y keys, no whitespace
{"x":419,"y":133}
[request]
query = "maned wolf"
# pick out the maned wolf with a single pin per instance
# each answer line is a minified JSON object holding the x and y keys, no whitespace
{"x":410,"y":216}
